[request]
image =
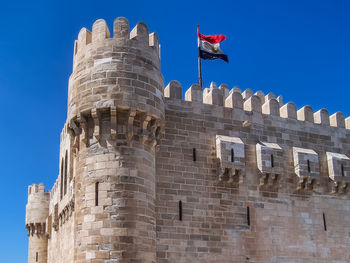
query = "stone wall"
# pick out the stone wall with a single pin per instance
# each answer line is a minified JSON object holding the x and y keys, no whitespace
{"x":291,"y":218}
{"x":222,"y":176}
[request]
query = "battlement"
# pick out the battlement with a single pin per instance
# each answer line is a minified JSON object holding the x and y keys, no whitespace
{"x":256,"y":102}
{"x":37,"y":209}
{"x":36,"y":188}
{"x":139,"y":37}
{"x":215,"y":176}
{"x":122,"y":71}
{"x":37,"y":195}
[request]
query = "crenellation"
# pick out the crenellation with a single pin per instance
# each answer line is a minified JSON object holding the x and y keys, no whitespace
{"x":234,"y":100}
{"x":322,"y":117}
{"x":270,"y":96}
{"x":289,"y":110}
{"x":173,"y":90}
{"x":121,"y":28}
{"x":253,"y":104}
{"x":100,"y":31}
{"x":337,"y":120}
{"x":140,"y":32}
{"x":261,"y":95}
{"x":347,"y":123}
{"x":306,"y":113}
{"x":84,"y":38}
{"x":247,"y":94}
{"x":235,"y":89}
{"x":194,"y":93}
{"x":219,"y":176}
{"x":154,"y":42}
{"x":213,"y":95}
{"x":225,"y":90}
{"x":280,"y":100}
{"x":271,"y":107}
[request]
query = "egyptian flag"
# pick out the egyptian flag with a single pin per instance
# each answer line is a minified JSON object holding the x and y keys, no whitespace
{"x":209,"y":47}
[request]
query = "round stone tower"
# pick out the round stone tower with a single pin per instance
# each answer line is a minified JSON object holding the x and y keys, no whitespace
{"x":116,"y":117}
{"x":37,"y":210}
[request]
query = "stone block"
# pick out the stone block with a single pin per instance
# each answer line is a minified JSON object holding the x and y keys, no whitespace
{"x":231,"y":155}
{"x":213,"y":96}
{"x":306,"y":163}
{"x":321,"y":117}
{"x":194,"y":93}
{"x":289,"y":110}
{"x":253,"y":103}
{"x":271,"y":107}
{"x":306,"y":113}
{"x":234,"y":100}
{"x":173,"y":90}
{"x":337,"y":120}
{"x":269,"y":158}
{"x":338,"y":167}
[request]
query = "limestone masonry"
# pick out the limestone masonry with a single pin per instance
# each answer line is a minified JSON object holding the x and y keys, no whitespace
{"x":221,"y":176}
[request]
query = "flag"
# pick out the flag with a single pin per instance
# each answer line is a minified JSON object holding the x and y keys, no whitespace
{"x":209,"y":47}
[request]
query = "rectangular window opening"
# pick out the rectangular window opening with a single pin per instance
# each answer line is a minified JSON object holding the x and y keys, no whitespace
{"x":342,"y":170}
{"x":248,"y":215}
{"x":96,"y":193}
{"x":272,"y":161}
{"x":308,"y":166}
{"x":36,"y":257}
{"x":232,"y":155}
{"x":324,"y":222}
{"x":180,"y":210}
{"x":194,"y":154}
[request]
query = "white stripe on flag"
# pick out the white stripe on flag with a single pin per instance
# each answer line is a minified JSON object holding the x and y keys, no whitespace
{"x":211,"y":48}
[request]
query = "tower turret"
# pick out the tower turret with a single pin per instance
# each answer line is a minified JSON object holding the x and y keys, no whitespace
{"x":37,"y":210}
{"x":116,"y":115}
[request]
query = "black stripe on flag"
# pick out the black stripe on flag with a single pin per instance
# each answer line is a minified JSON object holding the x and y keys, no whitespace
{"x":206,"y":55}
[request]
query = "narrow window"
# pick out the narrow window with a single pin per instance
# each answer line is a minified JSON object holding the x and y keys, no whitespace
{"x":324,"y":222}
{"x":248,"y":215}
{"x":180,"y":210}
{"x":65,"y":173}
{"x":96,"y":193}
{"x":194,"y":154}
{"x":272,"y":162}
{"x":36,"y":257}
{"x":342,"y":170}
{"x":308,"y":166}
{"x":61,"y":187}
{"x":232,"y":155}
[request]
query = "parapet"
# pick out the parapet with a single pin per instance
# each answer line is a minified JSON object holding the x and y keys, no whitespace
{"x":256,"y":102}
{"x":121,"y":71}
{"x":100,"y":35}
{"x":213,"y":95}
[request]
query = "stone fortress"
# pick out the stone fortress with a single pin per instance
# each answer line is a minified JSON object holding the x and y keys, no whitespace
{"x":219,"y":176}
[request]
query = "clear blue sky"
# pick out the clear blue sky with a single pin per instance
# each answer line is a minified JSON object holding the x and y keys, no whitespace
{"x":299,"y":49}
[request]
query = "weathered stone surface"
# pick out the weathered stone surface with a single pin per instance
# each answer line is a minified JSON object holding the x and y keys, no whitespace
{"x":222,"y":176}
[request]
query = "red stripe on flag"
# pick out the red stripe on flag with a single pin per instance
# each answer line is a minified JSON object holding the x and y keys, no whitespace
{"x":212,"y":39}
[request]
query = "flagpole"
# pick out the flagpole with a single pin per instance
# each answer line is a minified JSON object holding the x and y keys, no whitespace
{"x":199,"y":61}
